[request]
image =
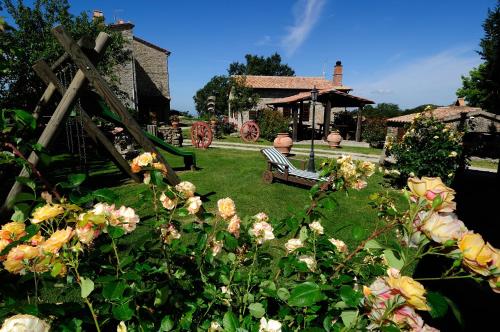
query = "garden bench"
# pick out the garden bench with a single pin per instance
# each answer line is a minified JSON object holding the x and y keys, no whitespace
{"x":280,"y":167}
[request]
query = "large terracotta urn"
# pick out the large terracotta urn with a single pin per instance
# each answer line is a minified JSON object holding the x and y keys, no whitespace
{"x":283,"y":143}
{"x":334,"y":139}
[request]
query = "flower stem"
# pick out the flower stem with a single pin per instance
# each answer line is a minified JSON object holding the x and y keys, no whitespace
{"x":94,"y":316}
{"x":118,"y":264}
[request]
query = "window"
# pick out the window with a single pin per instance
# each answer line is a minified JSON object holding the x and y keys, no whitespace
{"x":304,"y":113}
{"x":287,"y":112}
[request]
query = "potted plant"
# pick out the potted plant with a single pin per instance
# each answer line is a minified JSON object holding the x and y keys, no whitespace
{"x":334,"y":139}
{"x":174,"y":120}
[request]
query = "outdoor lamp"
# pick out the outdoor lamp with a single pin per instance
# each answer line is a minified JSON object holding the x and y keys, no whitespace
{"x":314,"y":96}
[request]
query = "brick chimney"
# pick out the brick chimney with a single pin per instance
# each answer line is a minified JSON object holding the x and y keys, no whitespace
{"x":460,"y":102}
{"x":97,"y":15}
{"x":337,"y":74}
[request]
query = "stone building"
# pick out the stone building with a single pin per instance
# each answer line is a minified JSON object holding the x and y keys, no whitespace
{"x":456,"y":115}
{"x":271,"y":88}
{"x":144,"y":79}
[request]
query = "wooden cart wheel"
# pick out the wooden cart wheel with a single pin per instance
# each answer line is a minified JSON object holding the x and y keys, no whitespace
{"x":250,"y":131}
{"x":201,"y":135}
{"x":267,"y":177}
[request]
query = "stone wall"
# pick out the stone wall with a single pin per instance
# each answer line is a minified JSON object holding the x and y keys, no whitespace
{"x":171,"y":135}
{"x":125,"y":72}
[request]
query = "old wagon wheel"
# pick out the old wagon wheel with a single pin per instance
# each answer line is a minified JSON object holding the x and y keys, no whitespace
{"x":250,"y":131}
{"x":201,"y":135}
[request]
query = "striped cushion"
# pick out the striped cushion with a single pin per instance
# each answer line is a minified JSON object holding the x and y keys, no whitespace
{"x":304,"y":174}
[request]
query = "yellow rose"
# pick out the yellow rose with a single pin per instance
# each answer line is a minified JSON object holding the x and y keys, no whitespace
{"x":478,"y":255}
{"x":495,"y":280}
{"x":226,"y":207}
{"x":144,"y":159}
{"x":57,"y":240}
{"x":12,"y":231}
{"x":412,"y":290}
{"x":46,"y":212}
{"x":430,"y":188}
{"x":16,"y":257}
{"x":36,"y":239}
{"x":161,"y":167}
{"x":135,"y":167}
{"x":186,"y":188}
{"x":234,"y":226}
{"x":167,"y":203}
{"x":442,"y":227}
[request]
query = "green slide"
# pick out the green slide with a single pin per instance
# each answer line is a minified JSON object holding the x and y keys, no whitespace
{"x":189,"y":157}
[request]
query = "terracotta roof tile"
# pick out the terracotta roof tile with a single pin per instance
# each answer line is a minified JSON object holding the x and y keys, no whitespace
{"x":440,"y":113}
{"x":323,"y":92}
{"x":289,"y":82}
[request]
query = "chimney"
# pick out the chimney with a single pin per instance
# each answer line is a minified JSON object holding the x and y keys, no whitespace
{"x":460,"y":102}
{"x":337,"y":74}
{"x":98,"y":15}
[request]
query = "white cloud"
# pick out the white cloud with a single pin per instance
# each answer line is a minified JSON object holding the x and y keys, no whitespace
{"x":306,"y":15}
{"x":431,"y":79}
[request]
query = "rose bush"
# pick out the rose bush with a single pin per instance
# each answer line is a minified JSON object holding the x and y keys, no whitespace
{"x":186,"y":270}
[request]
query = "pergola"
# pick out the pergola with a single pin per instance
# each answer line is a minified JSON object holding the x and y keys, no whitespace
{"x":329,"y":98}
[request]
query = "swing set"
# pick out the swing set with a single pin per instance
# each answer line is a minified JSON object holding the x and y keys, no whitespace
{"x":70,"y":76}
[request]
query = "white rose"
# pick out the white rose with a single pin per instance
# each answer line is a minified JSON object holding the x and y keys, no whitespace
{"x":316,"y":227}
{"x":121,"y":327}
{"x":269,"y":325}
{"x":215,"y":327}
{"x":193,"y":204}
{"x":144,"y":159}
{"x":442,"y":227}
{"x":186,"y":188}
{"x":24,"y":323}
{"x":261,"y":216}
{"x":310,"y":262}
{"x":262,"y":231}
{"x":293,"y":244}
{"x":339,"y":244}
{"x":167,"y":203}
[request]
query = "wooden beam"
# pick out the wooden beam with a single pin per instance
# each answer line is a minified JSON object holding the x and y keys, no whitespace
{"x":49,"y":91}
{"x":327,"y":118}
{"x":103,"y":89}
{"x":48,"y":76}
{"x":59,"y":114}
{"x":295,"y":124}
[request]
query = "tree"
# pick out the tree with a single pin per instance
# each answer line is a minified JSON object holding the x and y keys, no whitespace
{"x":482,"y":86}
{"x":31,"y":39}
{"x":259,"y":65}
{"x":219,"y":87}
{"x":242,"y":98}
{"x":382,"y":110}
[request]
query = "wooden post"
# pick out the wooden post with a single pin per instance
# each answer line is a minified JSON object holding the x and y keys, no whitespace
{"x":327,"y":118}
{"x":48,"y":76}
{"x":91,"y":73}
{"x":300,"y":135}
{"x":294,"y":126}
{"x":58,"y":116}
{"x":358,"y":124}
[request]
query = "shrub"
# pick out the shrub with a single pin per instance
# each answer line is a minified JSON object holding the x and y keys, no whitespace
{"x":374,"y":131}
{"x":271,"y":123}
{"x":428,"y":148}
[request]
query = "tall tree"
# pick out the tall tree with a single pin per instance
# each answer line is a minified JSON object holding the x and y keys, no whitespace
{"x":30,"y":39}
{"x":219,"y":87}
{"x":482,"y":86}
{"x":259,"y":65}
{"x":382,"y":110}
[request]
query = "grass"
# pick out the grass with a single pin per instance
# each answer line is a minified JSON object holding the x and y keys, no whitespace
{"x":485,"y":163}
{"x":237,"y":174}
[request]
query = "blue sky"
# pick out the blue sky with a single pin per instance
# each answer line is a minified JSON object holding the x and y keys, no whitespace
{"x":405,"y":52}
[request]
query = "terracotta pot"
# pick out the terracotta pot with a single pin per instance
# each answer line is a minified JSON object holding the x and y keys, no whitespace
{"x":283,"y":143}
{"x":334,"y":139}
{"x":175,"y":124}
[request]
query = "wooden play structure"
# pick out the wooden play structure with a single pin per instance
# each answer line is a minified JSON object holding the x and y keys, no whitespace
{"x":280,"y":168}
{"x":79,"y":93}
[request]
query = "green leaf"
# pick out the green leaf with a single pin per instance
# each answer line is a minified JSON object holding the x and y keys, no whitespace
{"x":105,"y":195}
{"x":257,"y":310}
{"x":392,"y":260}
{"x":87,"y":286}
{"x":122,"y":312}
{"x":24,"y":197}
{"x":229,"y":322}
{"x":230,"y":242}
{"x":373,"y":244}
{"x":438,"y":304}
{"x":25,"y":118}
{"x":455,"y":310}
{"x":358,"y":233}
{"x":114,"y":290}
{"x":328,"y":203}
{"x":115,"y":232}
{"x":305,"y":295}
{"x":283,"y":294}
{"x":349,"y":317}
{"x":167,"y":324}
{"x":56,"y":269}
{"x":303,"y":233}
{"x":156,"y":178}
{"x":390,"y":328}
{"x":350,"y":296}
{"x":182,"y":212}
{"x":26,"y":181}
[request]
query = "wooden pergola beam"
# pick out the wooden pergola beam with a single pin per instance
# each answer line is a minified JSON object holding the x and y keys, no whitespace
{"x":48,"y":76}
{"x":59,"y":114}
{"x":103,"y":89}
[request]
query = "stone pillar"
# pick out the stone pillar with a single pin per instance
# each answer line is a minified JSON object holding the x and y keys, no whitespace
{"x":327,"y":119}
{"x":295,"y":124}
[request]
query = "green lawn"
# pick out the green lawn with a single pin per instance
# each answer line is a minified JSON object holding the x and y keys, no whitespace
{"x":237,"y":174}
{"x":485,"y":163}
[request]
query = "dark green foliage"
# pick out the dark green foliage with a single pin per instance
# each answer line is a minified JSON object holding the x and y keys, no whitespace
{"x":482,"y":86}
{"x":428,"y":148}
{"x":219,"y":87}
{"x":382,"y":110}
{"x":374,"y":131}
{"x":31,"y":40}
{"x":271,"y":123}
{"x":259,"y":65}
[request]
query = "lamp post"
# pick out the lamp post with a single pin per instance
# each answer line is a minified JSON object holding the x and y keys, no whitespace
{"x":314,"y":97}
